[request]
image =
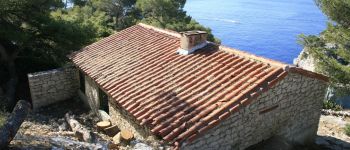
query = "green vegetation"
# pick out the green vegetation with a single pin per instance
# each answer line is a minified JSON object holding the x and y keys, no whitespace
{"x":329,"y":104}
{"x":169,"y":14}
{"x":332,"y":48}
{"x":347,"y":129}
{"x":37,"y":35}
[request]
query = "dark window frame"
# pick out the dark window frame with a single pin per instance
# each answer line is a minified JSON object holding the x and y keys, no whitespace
{"x":103,"y":97}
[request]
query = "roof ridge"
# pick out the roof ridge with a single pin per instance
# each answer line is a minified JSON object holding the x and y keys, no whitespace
{"x":230,"y":50}
{"x":287,"y":67}
{"x":161,"y":30}
{"x":252,"y":56}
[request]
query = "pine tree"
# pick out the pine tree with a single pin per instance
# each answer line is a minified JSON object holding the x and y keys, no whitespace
{"x":331,"y":49}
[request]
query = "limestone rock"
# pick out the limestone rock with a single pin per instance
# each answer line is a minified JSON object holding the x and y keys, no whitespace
{"x":104,"y":116}
{"x":142,"y":146}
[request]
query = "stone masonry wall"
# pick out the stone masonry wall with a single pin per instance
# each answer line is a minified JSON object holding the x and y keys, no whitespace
{"x":52,"y":86}
{"x":118,"y":116}
{"x":126,"y":122}
{"x":290,"y":110}
{"x":92,"y":94}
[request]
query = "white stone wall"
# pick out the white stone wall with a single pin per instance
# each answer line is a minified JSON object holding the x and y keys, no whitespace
{"x":51,"y":86}
{"x":92,"y":94}
{"x":293,"y":106}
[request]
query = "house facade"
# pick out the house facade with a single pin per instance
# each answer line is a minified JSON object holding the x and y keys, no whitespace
{"x":179,"y":90}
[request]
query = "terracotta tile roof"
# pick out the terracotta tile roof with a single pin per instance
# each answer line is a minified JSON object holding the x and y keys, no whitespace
{"x":178,"y":97}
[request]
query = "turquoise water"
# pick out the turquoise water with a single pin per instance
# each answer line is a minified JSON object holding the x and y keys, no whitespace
{"x":268,"y":28}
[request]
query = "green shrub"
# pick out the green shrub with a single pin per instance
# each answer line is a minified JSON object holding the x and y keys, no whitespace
{"x":347,"y":129}
{"x":329,"y":104}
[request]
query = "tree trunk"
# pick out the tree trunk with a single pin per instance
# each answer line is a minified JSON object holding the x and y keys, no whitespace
{"x":126,"y":136}
{"x":80,"y":132}
{"x":11,"y":92}
{"x":103,"y":125}
{"x":12,"y":83}
{"x":13,"y":123}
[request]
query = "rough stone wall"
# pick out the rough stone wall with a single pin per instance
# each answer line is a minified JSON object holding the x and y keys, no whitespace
{"x":290,"y":110}
{"x":124,"y":121}
{"x":92,"y":94}
{"x":52,"y":86}
{"x":118,"y":117}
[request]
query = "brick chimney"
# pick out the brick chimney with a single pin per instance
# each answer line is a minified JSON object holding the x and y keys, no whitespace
{"x":191,"y":41}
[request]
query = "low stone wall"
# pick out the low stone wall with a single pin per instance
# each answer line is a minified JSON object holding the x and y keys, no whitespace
{"x":52,"y":86}
{"x":290,"y":110}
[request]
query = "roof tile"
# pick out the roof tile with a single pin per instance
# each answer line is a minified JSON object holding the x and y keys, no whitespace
{"x":178,"y":97}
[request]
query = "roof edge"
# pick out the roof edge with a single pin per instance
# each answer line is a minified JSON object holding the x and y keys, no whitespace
{"x":252,"y":56}
{"x":286,"y":67}
{"x":165,"y":31}
{"x":294,"y":69}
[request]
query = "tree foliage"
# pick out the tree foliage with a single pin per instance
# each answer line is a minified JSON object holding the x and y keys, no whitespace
{"x":31,"y":39}
{"x":38,"y":34}
{"x":169,"y":14}
{"x":48,"y":30}
{"x":332,"y":48}
{"x":28,"y":29}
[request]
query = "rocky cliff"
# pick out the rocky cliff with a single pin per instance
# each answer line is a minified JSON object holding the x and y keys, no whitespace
{"x":305,"y":61}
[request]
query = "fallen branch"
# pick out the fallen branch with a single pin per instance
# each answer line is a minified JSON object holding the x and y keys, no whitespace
{"x":71,"y":144}
{"x":13,"y":123}
{"x":80,"y":132}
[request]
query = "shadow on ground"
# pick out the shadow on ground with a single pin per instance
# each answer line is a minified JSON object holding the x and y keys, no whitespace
{"x":49,"y":122}
{"x":321,"y":143}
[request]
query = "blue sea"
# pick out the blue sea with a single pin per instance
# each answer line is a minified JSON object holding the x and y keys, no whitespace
{"x":268,"y":28}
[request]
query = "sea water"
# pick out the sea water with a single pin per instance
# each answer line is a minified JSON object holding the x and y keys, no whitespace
{"x":268,"y":28}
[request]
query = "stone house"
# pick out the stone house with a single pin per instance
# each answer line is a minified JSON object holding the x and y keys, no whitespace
{"x":180,"y":90}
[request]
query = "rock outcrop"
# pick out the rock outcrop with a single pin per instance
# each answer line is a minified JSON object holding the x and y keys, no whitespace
{"x":305,"y":61}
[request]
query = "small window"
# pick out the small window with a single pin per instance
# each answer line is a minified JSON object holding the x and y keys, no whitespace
{"x":103,"y":101}
{"x":82,"y":81}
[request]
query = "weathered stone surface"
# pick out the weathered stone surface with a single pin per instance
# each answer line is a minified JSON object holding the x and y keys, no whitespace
{"x":126,"y":122}
{"x":51,"y":86}
{"x":104,"y":116}
{"x":92,"y":94}
{"x":291,"y":109}
{"x":298,"y":100}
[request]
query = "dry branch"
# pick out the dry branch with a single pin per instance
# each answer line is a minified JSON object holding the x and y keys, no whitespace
{"x":13,"y":123}
{"x":80,"y":131}
{"x":71,"y":144}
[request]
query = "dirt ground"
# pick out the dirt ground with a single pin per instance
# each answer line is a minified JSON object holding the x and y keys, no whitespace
{"x":40,"y":127}
{"x":331,"y":133}
{"x":47,"y":123}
